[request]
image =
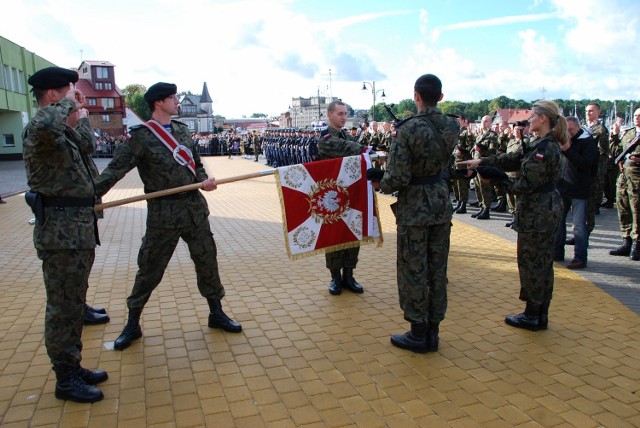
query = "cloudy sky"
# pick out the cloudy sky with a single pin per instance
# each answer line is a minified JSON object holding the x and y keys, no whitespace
{"x":255,"y":55}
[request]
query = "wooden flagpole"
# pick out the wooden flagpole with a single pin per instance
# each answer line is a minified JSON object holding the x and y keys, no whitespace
{"x":195,"y":186}
{"x":181,"y":189}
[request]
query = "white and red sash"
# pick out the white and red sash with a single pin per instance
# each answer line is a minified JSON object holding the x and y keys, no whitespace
{"x":181,"y":153}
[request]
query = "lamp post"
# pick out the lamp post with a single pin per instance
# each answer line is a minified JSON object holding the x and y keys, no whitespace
{"x":374,"y":93}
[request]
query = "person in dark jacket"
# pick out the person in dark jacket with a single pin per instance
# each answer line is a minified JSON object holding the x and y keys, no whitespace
{"x":579,"y":155}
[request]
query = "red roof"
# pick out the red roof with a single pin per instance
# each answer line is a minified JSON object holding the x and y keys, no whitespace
{"x":85,"y":87}
{"x":514,"y":115}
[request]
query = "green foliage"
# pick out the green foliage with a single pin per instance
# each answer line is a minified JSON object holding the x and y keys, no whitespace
{"x":257,"y":115}
{"x":134,"y":98}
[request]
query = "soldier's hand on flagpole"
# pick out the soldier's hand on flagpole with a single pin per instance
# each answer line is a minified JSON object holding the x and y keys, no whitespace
{"x":209,"y":184}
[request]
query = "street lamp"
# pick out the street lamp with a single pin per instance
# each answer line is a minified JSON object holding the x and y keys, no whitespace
{"x":374,"y":93}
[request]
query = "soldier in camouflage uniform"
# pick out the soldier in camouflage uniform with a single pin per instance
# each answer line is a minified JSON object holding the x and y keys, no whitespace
{"x":600,"y":133}
{"x":538,"y":213}
{"x":169,"y":218}
{"x":486,"y":145}
{"x":628,"y":192}
{"x":462,"y":152}
{"x":334,"y":143}
{"x":418,"y":157}
{"x":65,"y":233}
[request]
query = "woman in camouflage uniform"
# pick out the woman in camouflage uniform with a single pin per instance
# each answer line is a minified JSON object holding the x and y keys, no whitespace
{"x":538,"y":211}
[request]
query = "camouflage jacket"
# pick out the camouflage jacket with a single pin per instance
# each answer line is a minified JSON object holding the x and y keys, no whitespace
{"x":334,"y":143}
{"x":385,"y":141}
{"x":600,"y":133}
{"x":159,"y":171}
{"x":486,"y":144}
{"x":55,"y":157}
{"x":539,"y":205}
{"x":465,"y":145}
{"x":421,"y":147}
{"x":628,"y":136}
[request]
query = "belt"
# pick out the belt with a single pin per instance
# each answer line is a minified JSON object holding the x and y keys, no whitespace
{"x":427,"y":179}
{"x":177,"y":196}
{"x":50,"y":201}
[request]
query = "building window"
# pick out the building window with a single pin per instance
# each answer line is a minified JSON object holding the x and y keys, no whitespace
{"x":6,"y":72}
{"x":99,"y":86}
{"x":106,"y":118}
{"x":102,"y":72}
{"x":106,"y":103}
{"x":21,"y":87}
{"x":8,"y":140}
{"x":93,"y":102}
{"x":107,"y":86}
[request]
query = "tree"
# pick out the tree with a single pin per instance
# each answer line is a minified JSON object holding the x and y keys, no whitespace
{"x":258,"y":115}
{"x":134,"y":98}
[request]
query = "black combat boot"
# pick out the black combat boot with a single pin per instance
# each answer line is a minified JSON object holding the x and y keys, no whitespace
{"x":349,"y":282}
{"x":544,"y":314}
{"x":501,"y":207}
{"x":131,"y":332}
{"x":91,"y":316}
{"x":634,"y":254}
{"x":92,"y":377}
{"x":433,"y":329}
{"x":462,"y":209}
{"x":218,"y":319}
{"x":624,"y":249}
{"x":70,"y":386}
{"x":478,"y":213}
{"x":484,"y":215}
{"x":457,"y":207}
{"x":414,"y":340}
{"x":510,"y":223}
{"x":529,"y":319}
{"x":335,"y":286}
{"x":96,"y":310}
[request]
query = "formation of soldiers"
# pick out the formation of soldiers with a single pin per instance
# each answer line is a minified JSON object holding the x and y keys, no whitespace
{"x":611,"y":180}
{"x":289,"y":146}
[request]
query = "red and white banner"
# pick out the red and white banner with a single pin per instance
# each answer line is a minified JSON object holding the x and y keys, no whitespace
{"x":327,"y":205}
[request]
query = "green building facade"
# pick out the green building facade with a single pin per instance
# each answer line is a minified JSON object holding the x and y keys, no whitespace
{"x":17,"y":104}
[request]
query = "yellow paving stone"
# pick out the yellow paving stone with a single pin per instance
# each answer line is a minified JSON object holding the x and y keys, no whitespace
{"x":306,"y":358}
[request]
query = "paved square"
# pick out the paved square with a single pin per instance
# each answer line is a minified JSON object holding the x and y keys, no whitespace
{"x":305,"y":358}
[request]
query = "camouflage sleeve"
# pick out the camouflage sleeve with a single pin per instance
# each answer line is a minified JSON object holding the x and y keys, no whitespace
{"x":601,"y":134}
{"x":49,"y":125}
{"x":494,"y":143}
{"x":398,"y":173}
{"x":126,"y":157}
{"x":330,"y":146}
{"x":87,"y":137}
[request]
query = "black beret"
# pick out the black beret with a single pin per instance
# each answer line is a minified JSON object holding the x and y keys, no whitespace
{"x":53,"y":78}
{"x":160,"y":91}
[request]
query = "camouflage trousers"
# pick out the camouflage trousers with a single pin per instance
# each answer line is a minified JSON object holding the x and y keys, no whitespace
{"x":484,"y":193}
{"x":535,"y":265}
{"x":66,"y":278}
{"x":155,"y":253}
{"x":461,"y":189}
{"x":423,"y":253}
{"x":628,"y":202}
{"x":347,"y":258}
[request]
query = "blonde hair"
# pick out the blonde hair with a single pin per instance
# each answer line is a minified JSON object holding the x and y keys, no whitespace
{"x":557,"y":122}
